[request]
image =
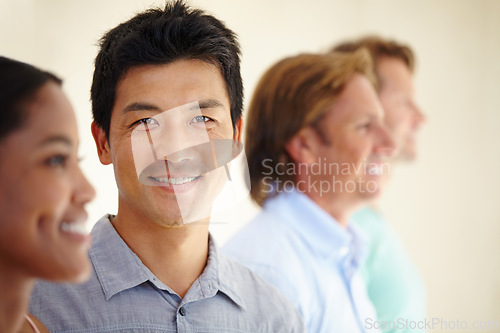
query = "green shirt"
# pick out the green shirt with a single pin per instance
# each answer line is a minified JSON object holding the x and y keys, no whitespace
{"x":393,"y":282}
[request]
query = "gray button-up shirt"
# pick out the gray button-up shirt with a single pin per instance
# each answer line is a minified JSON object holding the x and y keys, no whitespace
{"x":122,"y":295}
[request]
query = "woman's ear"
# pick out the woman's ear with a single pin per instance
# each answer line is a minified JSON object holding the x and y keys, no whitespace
{"x":101,"y":143}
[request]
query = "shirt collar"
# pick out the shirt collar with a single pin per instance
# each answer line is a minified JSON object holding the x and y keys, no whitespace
{"x":318,"y":229}
{"x":112,"y":258}
{"x":218,"y":275}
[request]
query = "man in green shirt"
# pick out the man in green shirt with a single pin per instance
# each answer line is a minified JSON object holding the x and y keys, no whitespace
{"x":393,"y":282}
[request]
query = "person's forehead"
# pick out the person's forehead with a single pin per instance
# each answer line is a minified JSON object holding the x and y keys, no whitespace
{"x":393,"y":72}
{"x":179,"y":68}
{"x":50,"y":103}
{"x":50,"y":120}
{"x":167,"y":86}
{"x":358,"y":99}
{"x":357,"y":91}
{"x":387,"y":66}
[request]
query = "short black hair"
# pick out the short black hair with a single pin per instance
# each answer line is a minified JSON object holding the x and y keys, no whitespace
{"x":162,"y":36}
{"x":19,"y":83}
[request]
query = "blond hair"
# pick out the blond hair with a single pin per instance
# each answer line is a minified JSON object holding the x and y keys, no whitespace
{"x":379,"y":47}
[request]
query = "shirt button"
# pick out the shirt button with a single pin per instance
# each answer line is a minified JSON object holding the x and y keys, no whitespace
{"x":182,"y":311}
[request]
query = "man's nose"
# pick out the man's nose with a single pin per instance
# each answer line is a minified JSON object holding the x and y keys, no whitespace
{"x":419,"y":116}
{"x":174,"y":142}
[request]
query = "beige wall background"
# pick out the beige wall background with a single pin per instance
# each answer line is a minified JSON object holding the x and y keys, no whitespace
{"x":445,"y":206}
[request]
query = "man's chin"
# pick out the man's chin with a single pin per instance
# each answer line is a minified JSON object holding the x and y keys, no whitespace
{"x":173,"y":224}
{"x":407,"y":152}
{"x":181,"y":222}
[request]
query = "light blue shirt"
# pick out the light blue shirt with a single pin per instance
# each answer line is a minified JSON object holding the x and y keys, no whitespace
{"x":306,"y":254}
{"x":123,"y":295}
{"x":393,"y":282}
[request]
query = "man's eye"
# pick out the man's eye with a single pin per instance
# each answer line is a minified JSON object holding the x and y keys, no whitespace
{"x":201,"y":119}
{"x":57,"y":161}
{"x":365,"y":126}
{"x":148,"y":123}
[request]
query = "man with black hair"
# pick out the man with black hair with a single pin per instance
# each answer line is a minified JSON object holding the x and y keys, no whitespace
{"x":166,"y":95}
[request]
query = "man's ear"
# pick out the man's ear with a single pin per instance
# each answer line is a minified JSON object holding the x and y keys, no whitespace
{"x":302,"y":146}
{"x":237,"y":129}
{"x":101,"y":143}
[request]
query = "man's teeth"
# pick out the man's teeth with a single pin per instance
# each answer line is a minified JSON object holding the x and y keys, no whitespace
{"x":175,"y":181}
{"x":75,"y":228}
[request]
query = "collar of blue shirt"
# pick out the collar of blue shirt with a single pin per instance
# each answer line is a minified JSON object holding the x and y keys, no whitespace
{"x":318,"y":229}
{"x":110,"y":254}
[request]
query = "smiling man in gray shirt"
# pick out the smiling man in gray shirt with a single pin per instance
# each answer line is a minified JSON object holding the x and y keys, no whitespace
{"x":166,"y":94}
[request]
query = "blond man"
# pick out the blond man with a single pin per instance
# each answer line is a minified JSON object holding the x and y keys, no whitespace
{"x":316,"y":147}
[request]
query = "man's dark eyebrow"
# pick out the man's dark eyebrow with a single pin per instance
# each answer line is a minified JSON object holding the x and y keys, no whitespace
{"x":204,"y":104}
{"x":141,"y":107}
{"x":56,"y":139}
{"x":210,"y":103}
